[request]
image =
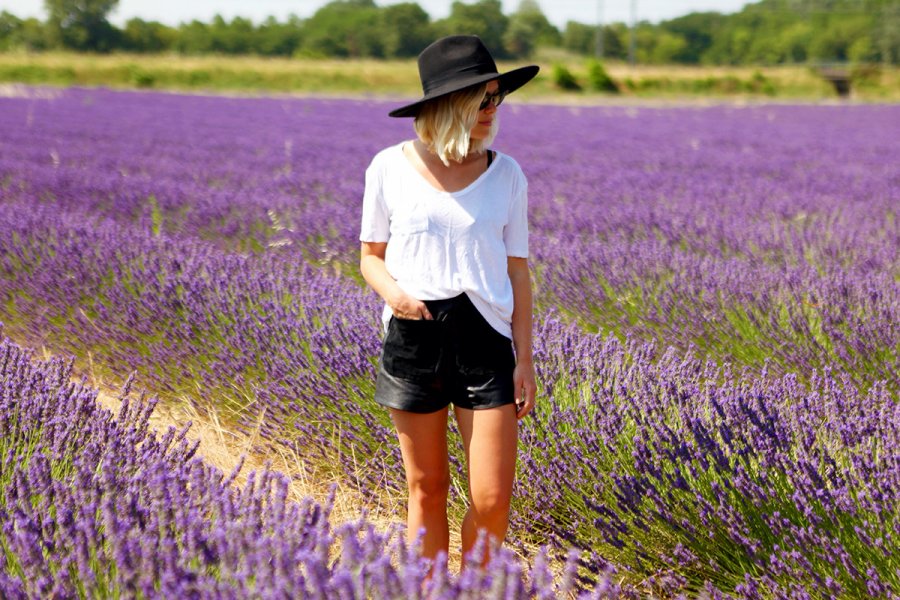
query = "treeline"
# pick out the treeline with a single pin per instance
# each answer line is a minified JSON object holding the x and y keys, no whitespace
{"x":767,"y":32}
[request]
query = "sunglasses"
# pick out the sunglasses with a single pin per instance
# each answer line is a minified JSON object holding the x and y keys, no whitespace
{"x":496,"y":98}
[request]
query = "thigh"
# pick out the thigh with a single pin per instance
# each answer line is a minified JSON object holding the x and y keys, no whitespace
{"x":490,"y":438}
{"x":423,"y":444}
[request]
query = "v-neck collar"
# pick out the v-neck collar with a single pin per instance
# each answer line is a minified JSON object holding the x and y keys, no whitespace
{"x":475,"y":182}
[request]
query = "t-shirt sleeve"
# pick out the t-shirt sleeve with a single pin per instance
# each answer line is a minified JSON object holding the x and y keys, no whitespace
{"x":515,"y":235}
{"x":375,"y":220}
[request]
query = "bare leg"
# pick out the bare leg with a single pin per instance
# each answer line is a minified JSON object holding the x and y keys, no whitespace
{"x":423,"y":443}
{"x":489,"y":438}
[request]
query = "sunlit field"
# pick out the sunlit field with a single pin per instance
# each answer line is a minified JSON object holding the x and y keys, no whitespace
{"x":370,"y":77}
{"x":716,"y":340}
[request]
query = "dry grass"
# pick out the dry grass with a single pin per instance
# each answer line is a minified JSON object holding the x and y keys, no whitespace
{"x":225,"y":448}
{"x":395,"y":78}
{"x":16,"y":90}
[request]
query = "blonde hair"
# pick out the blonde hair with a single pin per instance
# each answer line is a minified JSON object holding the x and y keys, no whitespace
{"x":444,"y":124}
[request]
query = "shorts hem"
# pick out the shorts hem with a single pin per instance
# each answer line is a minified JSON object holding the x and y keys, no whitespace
{"x":484,"y":406}
{"x":417,"y":408}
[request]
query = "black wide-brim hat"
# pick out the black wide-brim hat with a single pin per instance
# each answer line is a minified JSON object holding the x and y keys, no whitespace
{"x":456,"y":62}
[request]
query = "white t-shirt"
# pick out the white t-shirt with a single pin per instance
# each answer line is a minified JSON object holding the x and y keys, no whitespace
{"x":441,"y":244}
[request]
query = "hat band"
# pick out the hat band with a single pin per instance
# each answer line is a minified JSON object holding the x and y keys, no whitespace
{"x":436,"y":83}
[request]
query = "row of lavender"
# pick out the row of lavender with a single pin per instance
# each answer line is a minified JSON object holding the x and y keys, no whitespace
{"x":755,"y":234}
{"x":274,"y":343}
{"x":97,"y":506}
{"x":678,"y":474}
{"x":707,"y":485}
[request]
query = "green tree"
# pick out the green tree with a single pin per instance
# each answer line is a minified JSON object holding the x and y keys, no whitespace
{"x":886,"y":32}
{"x":235,"y":37}
{"x":730,"y":47}
{"x":833,"y":43}
{"x":194,"y":38}
{"x":862,"y":50}
{"x":666,"y":48}
{"x":581,"y":38}
{"x":484,"y":18}
{"x":528,"y":28}
{"x":147,"y":36}
{"x":345,"y":28}
{"x":697,"y":30}
{"x":653,"y":46}
{"x":406,"y":29}
{"x":794,"y":42}
{"x":615,"y":41}
{"x":786,"y":31}
{"x":33,"y":35}
{"x":279,"y":39}
{"x":82,"y":24}
{"x":10,"y":26}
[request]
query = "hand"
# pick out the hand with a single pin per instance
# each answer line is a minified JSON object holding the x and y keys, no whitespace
{"x":405,"y":306}
{"x":525,"y":388}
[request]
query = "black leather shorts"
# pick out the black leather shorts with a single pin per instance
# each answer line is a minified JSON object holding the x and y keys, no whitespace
{"x":456,"y":358}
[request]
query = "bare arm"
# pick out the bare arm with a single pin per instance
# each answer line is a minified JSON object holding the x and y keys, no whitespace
{"x":371,"y":264}
{"x":523,"y":376}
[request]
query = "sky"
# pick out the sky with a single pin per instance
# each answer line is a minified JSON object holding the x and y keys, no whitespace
{"x":173,"y":12}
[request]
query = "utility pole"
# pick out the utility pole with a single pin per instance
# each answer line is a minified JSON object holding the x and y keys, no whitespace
{"x":631,"y":37}
{"x":599,"y":45}
{"x":889,"y":30}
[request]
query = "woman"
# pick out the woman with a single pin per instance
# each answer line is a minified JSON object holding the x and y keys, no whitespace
{"x":445,"y":243}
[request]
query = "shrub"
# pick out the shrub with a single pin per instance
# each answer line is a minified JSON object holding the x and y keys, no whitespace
{"x":563,"y":78}
{"x":599,"y":79}
{"x":141,"y":77}
{"x":866,"y":74}
{"x":759,"y":83}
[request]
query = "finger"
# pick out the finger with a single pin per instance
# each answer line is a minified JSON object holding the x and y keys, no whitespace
{"x":412,"y":310}
{"x":524,"y":392}
{"x":524,"y":401}
{"x":523,"y":409}
{"x":521,"y":401}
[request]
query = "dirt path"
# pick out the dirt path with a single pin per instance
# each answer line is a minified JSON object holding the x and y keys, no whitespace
{"x":225,"y":449}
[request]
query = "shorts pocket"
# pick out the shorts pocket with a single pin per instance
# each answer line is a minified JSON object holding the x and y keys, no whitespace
{"x":412,"y":348}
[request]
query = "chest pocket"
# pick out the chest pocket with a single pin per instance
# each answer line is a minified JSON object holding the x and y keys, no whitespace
{"x":410,"y":221}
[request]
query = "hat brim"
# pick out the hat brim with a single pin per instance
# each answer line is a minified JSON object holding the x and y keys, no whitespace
{"x":509,"y":81}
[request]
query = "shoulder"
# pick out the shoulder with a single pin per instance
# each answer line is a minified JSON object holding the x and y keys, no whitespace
{"x":510,"y":169}
{"x":387,"y":157}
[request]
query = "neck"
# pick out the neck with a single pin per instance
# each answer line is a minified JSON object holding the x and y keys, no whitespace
{"x":471,"y":155}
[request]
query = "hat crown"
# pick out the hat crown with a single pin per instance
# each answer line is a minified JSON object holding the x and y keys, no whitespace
{"x":455,"y":63}
{"x":452,"y":59}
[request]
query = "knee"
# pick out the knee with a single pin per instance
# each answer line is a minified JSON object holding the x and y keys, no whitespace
{"x":430,"y":489}
{"x":491,"y":505}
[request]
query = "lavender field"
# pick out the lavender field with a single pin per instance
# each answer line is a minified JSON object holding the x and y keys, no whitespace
{"x":717,"y":346}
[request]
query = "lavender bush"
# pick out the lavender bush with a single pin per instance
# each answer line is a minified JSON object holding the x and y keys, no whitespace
{"x":759,"y":484}
{"x":756,"y":233}
{"x":262,"y":334}
{"x":97,"y":506}
{"x":754,"y":452}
